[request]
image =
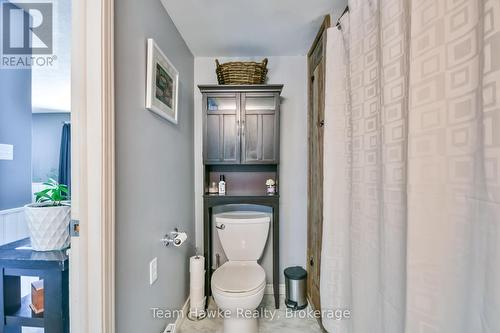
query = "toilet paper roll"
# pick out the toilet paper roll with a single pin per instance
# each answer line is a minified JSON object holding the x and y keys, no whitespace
{"x":194,"y":279}
{"x":197,"y":294}
{"x":200,"y":306}
{"x":200,"y":303}
{"x":197,"y":263}
{"x":197,"y":283}
{"x":180,"y":239}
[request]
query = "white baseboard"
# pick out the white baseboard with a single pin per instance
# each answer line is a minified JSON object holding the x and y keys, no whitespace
{"x":269,"y":289}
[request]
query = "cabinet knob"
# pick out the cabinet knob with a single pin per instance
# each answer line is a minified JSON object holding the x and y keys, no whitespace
{"x":311,"y":261}
{"x":321,"y":123}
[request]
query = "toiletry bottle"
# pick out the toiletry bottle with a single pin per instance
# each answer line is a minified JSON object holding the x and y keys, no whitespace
{"x":222,"y":185}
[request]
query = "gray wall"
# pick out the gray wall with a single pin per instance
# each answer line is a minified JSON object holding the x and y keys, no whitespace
{"x":15,"y":129}
{"x":47,"y":130}
{"x":154,"y":161}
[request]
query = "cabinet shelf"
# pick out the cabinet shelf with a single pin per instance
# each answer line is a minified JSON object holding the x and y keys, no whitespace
{"x":23,"y":316}
{"x":243,"y":196}
{"x":243,"y":179}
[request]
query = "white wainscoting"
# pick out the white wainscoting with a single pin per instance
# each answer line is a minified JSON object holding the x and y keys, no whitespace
{"x":12,"y":225}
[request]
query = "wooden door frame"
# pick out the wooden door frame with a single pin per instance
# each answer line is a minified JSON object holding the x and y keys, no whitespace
{"x":92,"y":256}
{"x":320,"y":37}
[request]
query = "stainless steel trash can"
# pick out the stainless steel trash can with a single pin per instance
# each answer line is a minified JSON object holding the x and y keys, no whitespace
{"x":296,"y":288}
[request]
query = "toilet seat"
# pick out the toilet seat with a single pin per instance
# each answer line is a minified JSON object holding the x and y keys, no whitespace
{"x":239,"y":278}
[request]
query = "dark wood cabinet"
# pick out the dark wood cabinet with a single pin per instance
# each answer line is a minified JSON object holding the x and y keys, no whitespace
{"x":241,"y":124}
{"x":260,"y":128}
{"x":221,"y":128}
{"x":241,"y":141}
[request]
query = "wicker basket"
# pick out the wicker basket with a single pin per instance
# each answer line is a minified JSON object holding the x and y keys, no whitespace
{"x":241,"y":72}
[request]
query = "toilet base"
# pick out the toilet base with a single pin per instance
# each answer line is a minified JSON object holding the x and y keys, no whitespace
{"x":241,"y":325}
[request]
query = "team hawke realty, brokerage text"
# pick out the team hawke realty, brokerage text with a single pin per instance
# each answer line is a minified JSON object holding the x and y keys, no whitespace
{"x":338,"y":314}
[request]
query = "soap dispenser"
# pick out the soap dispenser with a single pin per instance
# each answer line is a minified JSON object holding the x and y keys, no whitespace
{"x":222,"y":185}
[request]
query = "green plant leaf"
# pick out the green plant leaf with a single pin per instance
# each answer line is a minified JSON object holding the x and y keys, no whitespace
{"x":54,"y":192}
{"x":41,"y":194}
{"x":44,"y":198}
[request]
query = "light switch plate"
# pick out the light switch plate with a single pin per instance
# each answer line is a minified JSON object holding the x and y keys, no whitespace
{"x":6,"y":152}
{"x":153,"y":271}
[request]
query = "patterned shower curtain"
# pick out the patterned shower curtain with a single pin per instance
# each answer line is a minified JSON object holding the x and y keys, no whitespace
{"x":411,"y":239}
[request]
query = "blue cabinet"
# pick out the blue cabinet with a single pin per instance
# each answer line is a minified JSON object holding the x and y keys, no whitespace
{"x":17,"y":260}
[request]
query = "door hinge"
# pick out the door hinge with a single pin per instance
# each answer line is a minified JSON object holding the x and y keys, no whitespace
{"x":75,"y":228}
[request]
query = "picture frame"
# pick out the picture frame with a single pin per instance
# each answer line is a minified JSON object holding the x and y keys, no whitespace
{"x":162,"y":84}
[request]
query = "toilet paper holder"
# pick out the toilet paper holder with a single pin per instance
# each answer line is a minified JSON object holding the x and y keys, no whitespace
{"x":174,"y":237}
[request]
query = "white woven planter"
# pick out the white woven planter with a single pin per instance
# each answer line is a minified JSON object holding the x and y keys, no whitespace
{"x":48,"y":227}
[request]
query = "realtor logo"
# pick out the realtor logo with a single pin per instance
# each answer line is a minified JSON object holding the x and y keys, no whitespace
{"x":27,"y":34}
{"x":27,"y":28}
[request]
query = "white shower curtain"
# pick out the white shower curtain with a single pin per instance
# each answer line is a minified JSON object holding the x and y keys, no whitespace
{"x":411,"y":239}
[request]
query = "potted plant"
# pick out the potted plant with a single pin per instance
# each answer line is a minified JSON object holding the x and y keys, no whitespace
{"x":49,"y":218}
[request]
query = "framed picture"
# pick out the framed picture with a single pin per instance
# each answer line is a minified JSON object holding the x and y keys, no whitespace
{"x":162,"y":81}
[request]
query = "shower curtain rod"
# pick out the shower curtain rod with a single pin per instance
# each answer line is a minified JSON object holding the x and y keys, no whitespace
{"x":346,"y":10}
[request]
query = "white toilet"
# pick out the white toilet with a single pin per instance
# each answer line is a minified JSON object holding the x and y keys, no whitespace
{"x":238,"y":285}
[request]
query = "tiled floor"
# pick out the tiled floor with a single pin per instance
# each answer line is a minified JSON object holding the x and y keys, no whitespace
{"x":281,"y":322}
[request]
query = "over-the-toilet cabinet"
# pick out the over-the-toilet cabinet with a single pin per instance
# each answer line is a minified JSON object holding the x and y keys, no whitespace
{"x":241,"y":124}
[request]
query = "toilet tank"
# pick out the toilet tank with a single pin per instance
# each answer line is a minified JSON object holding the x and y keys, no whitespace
{"x":243,"y":235}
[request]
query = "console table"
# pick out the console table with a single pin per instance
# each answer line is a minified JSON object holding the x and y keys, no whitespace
{"x":18,"y":259}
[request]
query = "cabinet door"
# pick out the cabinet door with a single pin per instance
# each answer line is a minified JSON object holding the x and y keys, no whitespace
{"x":260,"y":128}
{"x":221,"y":129}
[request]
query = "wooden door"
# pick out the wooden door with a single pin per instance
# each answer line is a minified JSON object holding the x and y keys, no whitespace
{"x":222,"y":129}
{"x":316,"y":111}
{"x":260,"y":128}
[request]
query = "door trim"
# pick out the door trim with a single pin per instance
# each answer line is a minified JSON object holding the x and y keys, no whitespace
{"x":92,"y":258}
{"x":324,"y":26}
{"x":311,"y":66}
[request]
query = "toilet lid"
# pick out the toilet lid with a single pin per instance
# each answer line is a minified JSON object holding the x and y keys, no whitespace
{"x":238,"y":277}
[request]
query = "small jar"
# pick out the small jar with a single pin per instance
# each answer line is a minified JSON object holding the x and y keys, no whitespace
{"x":213,"y":189}
{"x":271,"y":187}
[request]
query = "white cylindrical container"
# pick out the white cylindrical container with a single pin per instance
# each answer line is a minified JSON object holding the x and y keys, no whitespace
{"x":197,"y":286}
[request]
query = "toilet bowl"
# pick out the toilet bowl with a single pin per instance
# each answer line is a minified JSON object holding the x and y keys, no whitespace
{"x":238,"y":285}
